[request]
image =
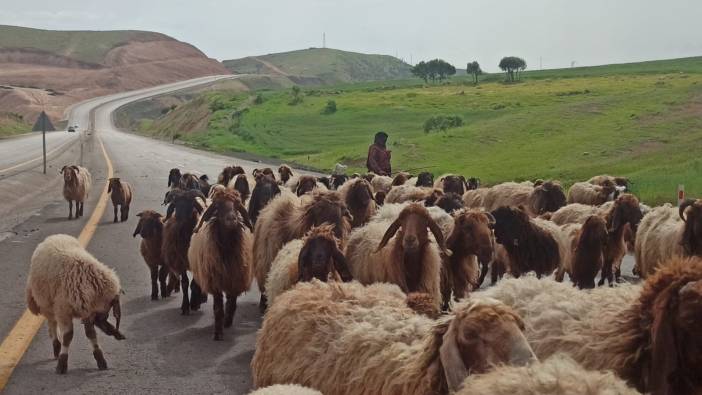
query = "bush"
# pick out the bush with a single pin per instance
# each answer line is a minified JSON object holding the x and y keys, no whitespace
{"x":442,"y":123}
{"x":296,"y":96}
{"x":330,"y":108}
{"x":258,"y":99}
{"x":217,"y":105}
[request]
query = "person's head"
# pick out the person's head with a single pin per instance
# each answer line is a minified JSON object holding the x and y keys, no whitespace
{"x":381,"y":138}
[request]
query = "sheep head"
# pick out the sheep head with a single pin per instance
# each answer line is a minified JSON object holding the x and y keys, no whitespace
{"x":380,"y":198}
{"x":241,"y":185}
{"x":473,"y":183}
{"x":228,"y":174}
{"x":691,"y":213}
{"x":482,"y":334}
{"x":327,"y":207}
{"x":184,"y":204}
{"x":455,"y":184}
{"x":320,"y":254}
{"x":472,"y":235}
{"x":150,"y":224}
{"x":114,"y":184}
{"x":412,"y":224}
{"x":547,"y":196}
{"x":305,"y":184}
{"x":228,"y":211}
{"x":425,"y":179}
{"x":285,"y":173}
{"x":189,"y":181}
{"x":70,"y":174}
{"x":450,"y":202}
{"x":625,"y":210}
{"x":510,"y":225}
{"x":174,"y":177}
{"x":338,"y":180}
{"x":400,"y":179}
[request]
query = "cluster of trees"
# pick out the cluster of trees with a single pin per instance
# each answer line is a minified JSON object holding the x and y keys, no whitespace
{"x":440,"y":69}
{"x":433,"y":70}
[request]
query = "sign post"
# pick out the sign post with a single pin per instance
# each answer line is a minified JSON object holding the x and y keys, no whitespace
{"x":44,"y":124}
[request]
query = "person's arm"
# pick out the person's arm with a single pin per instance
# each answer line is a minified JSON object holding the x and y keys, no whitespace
{"x":372,"y":162}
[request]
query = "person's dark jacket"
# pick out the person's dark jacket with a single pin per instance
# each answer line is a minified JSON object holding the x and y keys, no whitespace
{"x":378,"y":160}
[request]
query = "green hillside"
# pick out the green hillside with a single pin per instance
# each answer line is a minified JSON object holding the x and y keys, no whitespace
{"x":11,"y":124}
{"x":644,"y":123}
{"x":329,"y":66}
{"x":84,"y":46}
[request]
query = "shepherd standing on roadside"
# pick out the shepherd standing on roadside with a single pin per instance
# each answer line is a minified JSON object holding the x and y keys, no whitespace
{"x":378,"y":156}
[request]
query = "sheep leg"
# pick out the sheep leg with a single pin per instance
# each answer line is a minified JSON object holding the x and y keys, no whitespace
{"x":154,"y":285}
{"x":606,"y":274}
{"x":263,"y":303}
{"x":173,"y":283}
{"x":184,"y":283}
{"x":97,"y":352}
{"x":483,"y":274}
{"x":162,"y":276}
{"x":124,"y":211}
{"x":218,"y":308}
{"x":79,"y":211}
{"x":560,"y":274}
{"x":196,"y":297}
{"x":70,"y":209}
{"x":229,"y":311}
{"x":65,"y":332}
{"x":52,"y":334}
{"x":115,"y":208}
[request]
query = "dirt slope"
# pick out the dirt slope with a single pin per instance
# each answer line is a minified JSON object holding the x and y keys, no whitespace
{"x":53,"y":69}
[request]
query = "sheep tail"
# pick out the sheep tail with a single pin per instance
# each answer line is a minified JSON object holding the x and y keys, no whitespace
{"x":31,"y":303}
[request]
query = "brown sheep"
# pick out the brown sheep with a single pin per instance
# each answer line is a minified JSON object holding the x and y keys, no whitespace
{"x":228,"y":174}
{"x":177,"y":232}
{"x":121,"y":196}
{"x":588,"y":251}
{"x":241,"y":185}
{"x":77,"y":182}
{"x":379,"y":198}
{"x":305,"y":184}
{"x":400,"y":179}
{"x":358,"y":196}
{"x":220,"y":255}
{"x":174,"y":178}
{"x":150,"y":228}
{"x":266,"y":189}
{"x":285,"y":173}
{"x":189,"y":181}
{"x":288,"y":217}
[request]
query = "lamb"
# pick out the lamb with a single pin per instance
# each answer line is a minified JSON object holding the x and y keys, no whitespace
{"x":588,"y":243}
{"x":176,"y":241}
{"x":452,"y":183}
{"x":317,"y":255}
{"x":344,"y":338}
{"x":475,"y":198}
{"x":121,"y":197}
{"x":285,"y":173}
{"x":540,"y":198}
{"x":285,"y":389}
{"x":410,"y":260}
{"x":668,"y":232}
{"x":220,"y":256}
{"x":150,"y":228}
{"x":358,"y":196}
{"x":288,"y":217}
{"x":66,"y":282}
{"x":557,"y":375}
{"x":531,"y":243}
{"x":594,"y":195}
{"x":266,"y":189}
{"x":648,"y":335}
{"x":77,"y":182}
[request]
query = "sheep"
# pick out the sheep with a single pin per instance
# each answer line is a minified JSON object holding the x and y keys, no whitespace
{"x":220,"y":256}
{"x":408,"y":193}
{"x":121,"y":195}
{"x":537,"y":198}
{"x":379,"y":198}
{"x":474,"y":198}
{"x":176,"y":241}
{"x":344,"y":338}
{"x":285,"y":389}
{"x":622,"y":183}
{"x":317,"y":255}
{"x":573,"y":213}
{"x":150,"y":228}
{"x":498,"y":266}
{"x":358,"y":196}
{"x":189,"y":181}
{"x":266,"y":189}
{"x":228,"y":174}
{"x":337,"y":180}
{"x":77,"y":182}
{"x":410,"y":260}
{"x":558,"y":375}
{"x":174,"y":178}
{"x":400,"y":179}
{"x":451,"y":183}
{"x":667,"y":232}
{"x":241,"y":184}
{"x":471,"y":243}
{"x":594,"y":195}
{"x":449,"y":202}
{"x":588,"y":243}
{"x":285,"y":173}
{"x":304,"y":184}
{"x":326,"y":181}
{"x":266,"y":171}
{"x":531,"y":243}
{"x":65,"y":282}
{"x":424,"y":179}
{"x":648,"y":335}
{"x":288,"y":217}
{"x":380,"y":183}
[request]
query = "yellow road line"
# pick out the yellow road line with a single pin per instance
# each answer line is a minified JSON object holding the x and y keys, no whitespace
{"x":20,"y":337}
{"x":38,"y":158}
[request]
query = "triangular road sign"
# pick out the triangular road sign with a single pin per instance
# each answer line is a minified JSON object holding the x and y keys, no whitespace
{"x":43,"y":123}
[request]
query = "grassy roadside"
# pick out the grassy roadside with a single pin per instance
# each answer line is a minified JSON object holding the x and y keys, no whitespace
{"x":12,"y":124}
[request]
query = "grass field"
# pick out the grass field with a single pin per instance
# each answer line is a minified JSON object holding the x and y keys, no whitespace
{"x":12,"y":124}
{"x":84,"y":46}
{"x":644,"y":122}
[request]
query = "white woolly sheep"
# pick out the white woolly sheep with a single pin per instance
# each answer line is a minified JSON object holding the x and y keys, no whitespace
{"x":594,"y":195}
{"x":66,"y":282}
{"x":381,"y":183}
{"x":475,"y":198}
{"x":407,"y":193}
{"x":77,"y":182}
{"x":344,"y":338}
{"x":537,"y":198}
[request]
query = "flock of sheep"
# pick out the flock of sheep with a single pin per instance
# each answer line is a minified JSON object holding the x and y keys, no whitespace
{"x":370,"y":284}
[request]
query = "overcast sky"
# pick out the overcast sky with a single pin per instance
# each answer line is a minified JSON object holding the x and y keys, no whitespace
{"x":557,"y":31}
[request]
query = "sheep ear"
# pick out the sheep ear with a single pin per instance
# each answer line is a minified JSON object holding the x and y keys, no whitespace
{"x":138,"y":227}
{"x":109,"y":185}
{"x":340,"y":264}
{"x":394,"y":227}
{"x":454,"y":369}
{"x":63,"y":169}
{"x":439,"y":236}
{"x":209,"y":212}
{"x":245,"y":216}
{"x":301,"y":258}
{"x":664,"y":347}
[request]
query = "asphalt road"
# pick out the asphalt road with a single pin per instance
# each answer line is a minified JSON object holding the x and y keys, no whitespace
{"x":164,"y":351}
{"x":26,"y":151}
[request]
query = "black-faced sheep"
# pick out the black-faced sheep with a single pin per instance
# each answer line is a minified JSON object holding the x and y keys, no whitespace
{"x":228,"y":174}
{"x":265,"y":190}
{"x":531,"y":243}
{"x":424,"y":179}
{"x":150,"y":228}
{"x":405,"y":255}
{"x":344,"y":338}
{"x":288,"y":217}
{"x":337,"y":180}
{"x":177,"y":232}
{"x":220,"y":256}
{"x":668,"y":232}
{"x":285,"y":173}
{"x":241,"y":185}
{"x":538,"y":198}
{"x":379,"y":198}
{"x":648,"y":335}
{"x":594,"y":195}
{"x":121,"y":196}
{"x":77,"y":182}
{"x":66,"y":282}
{"x":449,"y":202}
{"x":317,"y":255}
{"x":452,"y":183}
{"x":174,"y":178}
{"x":358,"y":196}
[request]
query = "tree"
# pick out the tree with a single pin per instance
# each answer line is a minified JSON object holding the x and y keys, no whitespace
{"x":474,"y":69}
{"x":512,"y":66}
{"x":433,"y":69}
{"x":421,"y":70}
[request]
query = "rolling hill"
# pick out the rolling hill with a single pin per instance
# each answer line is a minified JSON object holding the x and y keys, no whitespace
{"x":323,"y":66}
{"x":57,"y":68}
